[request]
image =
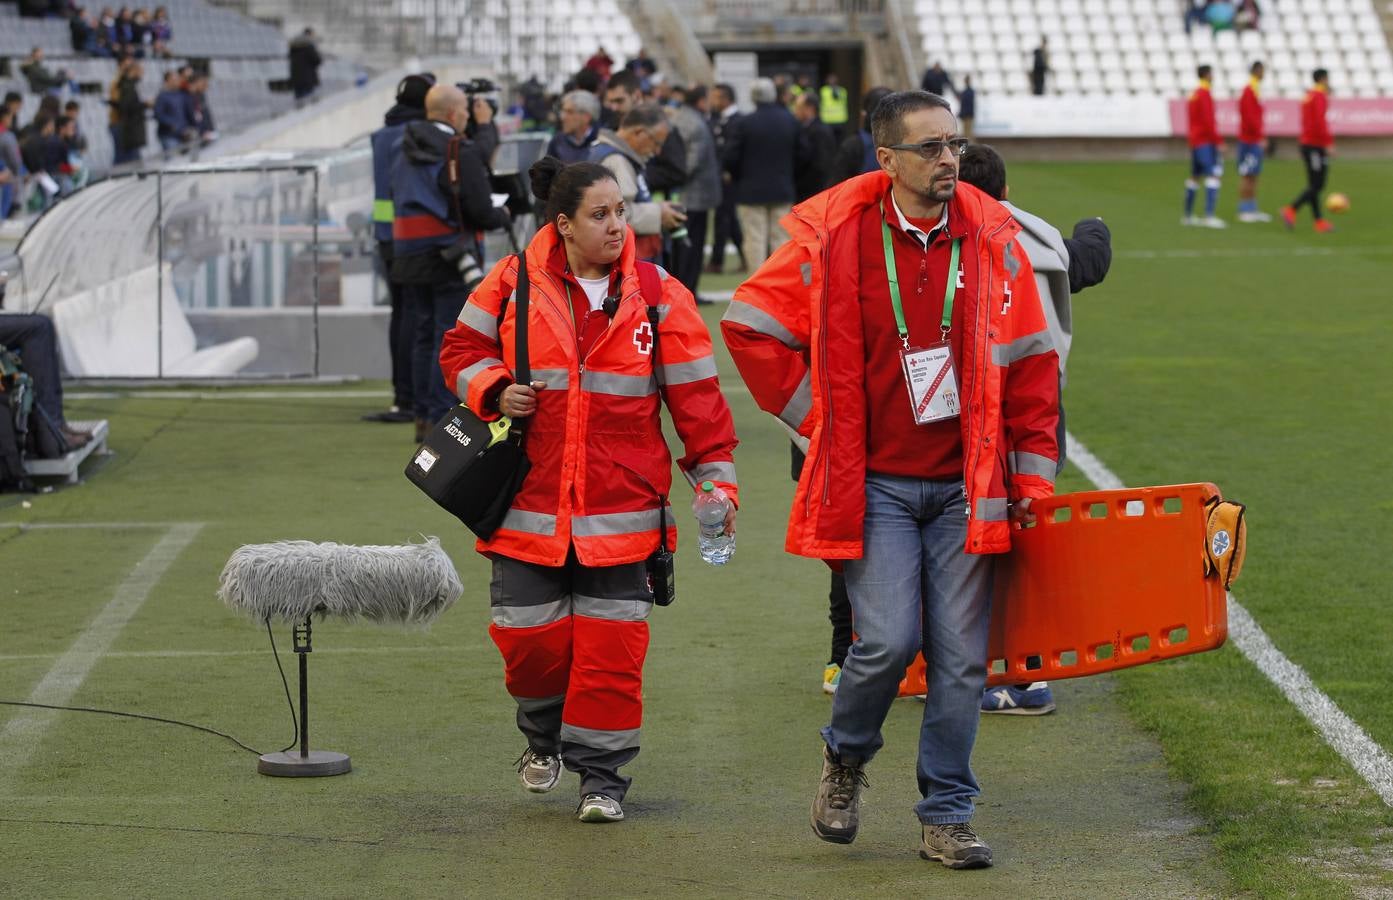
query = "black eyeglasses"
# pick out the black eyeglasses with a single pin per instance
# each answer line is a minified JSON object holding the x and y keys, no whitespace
{"x":933,"y":149}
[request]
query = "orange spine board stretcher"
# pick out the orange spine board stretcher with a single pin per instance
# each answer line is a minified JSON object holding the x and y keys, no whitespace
{"x":1102,"y":581}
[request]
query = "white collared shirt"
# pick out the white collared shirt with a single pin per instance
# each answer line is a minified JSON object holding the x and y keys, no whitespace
{"x":914,"y":230}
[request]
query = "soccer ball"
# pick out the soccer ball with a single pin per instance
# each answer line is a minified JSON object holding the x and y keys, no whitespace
{"x":1337,"y":203}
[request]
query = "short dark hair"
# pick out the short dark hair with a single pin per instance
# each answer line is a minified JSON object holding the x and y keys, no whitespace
{"x":13,"y":97}
{"x":1320,"y":75}
{"x":872,"y":100}
{"x":588,"y":80}
{"x":725,"y":89}
{"x":983,"y":168}
{"x":1205,"y":72}
{"x":561,"y":187}
{"x":695,"y":94}
{"x":887,"y":122}
{"x":645,"y":115}
{"x":1253,"y":69}
{"x":624,"y":79}
{"x":72,"y":104}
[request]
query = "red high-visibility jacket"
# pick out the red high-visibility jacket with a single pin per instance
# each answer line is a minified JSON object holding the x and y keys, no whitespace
{"x":1315,"y":130}
{"x":1204,"y":129}
{"x":599,"y":460}
{"x":794,"y":329}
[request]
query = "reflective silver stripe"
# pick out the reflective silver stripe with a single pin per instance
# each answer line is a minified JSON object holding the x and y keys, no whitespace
{"x":462,"y":381}
{"x":1023,"y":463}
{"x":612,"y":609}
{"x":663,"y":310}
{"x":1021,"y":347}
{"x":600,"y":740}
{"x":800,"y":404}
{"x":715,"y":471}
{"x":618,"y":385}
{"x":479,"y":320}
{"x":754,"y":318}
{"x":529,"y":522}
{"x":687,"y":372}
{"x":531,"y":616}
{"x":533,"y":704}
{"x":556,"y":379}
{"x":990,"y":510}
{"x":662,"y":273}
{"x":606,"y":524}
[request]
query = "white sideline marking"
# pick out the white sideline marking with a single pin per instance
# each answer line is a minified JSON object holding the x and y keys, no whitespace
{"x":234,"y":394}
{"x":20,"y":737}
{"x":1343,"y":734}
{"x":61,"y":526}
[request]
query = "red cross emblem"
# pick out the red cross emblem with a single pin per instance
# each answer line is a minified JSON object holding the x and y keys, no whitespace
{"x":643,"y":338}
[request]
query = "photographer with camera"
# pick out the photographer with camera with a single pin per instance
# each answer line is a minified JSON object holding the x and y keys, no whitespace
{"x":482,"y":97}
{"x":641,"y":134}
{"x":440,"y":189}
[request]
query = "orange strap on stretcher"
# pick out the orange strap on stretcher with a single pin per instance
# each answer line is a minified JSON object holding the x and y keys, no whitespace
{"x":1104,"y":580}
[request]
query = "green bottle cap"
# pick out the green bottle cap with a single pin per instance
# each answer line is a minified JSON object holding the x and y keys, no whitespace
{"x":707,"y":486}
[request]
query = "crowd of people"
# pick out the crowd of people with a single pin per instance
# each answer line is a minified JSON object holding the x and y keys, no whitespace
{"x":111,"y":33}
{"x":43,"y":159}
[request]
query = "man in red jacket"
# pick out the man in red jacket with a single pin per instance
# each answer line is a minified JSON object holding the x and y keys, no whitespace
{"x":1317,"y":146}
{"x":1206,"y":154}
{"x":1250,"y":139}
{"x":899,"y":336}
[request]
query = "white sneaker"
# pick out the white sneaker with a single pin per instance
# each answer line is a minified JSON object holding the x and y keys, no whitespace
{"x":1213,"y":222}
{"x":1189,"y":220}
{"x":538,"y":773}
{"x":596,"y":808}
{"x":1254,"y":216}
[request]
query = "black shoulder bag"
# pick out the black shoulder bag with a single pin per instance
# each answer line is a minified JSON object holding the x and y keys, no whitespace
{"x":473,"y":468}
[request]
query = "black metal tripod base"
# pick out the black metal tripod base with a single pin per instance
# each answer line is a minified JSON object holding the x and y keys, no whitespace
{"x":293,"y":765}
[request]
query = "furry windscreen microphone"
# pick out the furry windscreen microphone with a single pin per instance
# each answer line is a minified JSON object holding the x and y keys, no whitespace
{"x":411,"y":583}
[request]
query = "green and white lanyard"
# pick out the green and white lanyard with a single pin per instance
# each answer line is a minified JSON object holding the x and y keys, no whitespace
{"x":949,"y":290}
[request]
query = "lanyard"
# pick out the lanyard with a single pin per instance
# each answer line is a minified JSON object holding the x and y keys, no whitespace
{"x":949,"y":289}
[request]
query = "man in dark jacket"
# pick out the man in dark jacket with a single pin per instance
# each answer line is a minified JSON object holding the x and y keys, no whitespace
{"x":129,"y":114}
{"x":440,"y":192}
{"x":386,"y":147}
{"x":726,"y":228}
{"x":666,"y":171}
{"x":856,"y":156}
{"x":817,"y":174}
{"x":967,"y":106}
{"x":1063,"y":267}
{"x":580,"y":125}
{"x":937,"y":81}
{"x":304,"y":65}
{"x":702,"y":193}
{"x":761,"y":154}
{"x":172,"y":124}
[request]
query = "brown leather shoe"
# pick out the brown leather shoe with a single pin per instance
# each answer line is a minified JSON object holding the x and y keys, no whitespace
{"x":75,"y":438}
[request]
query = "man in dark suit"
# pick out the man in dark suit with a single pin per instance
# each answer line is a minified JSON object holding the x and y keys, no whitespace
{"x":820,"y":148}
{"x":761,"y":154}
{"x":724,"y":113}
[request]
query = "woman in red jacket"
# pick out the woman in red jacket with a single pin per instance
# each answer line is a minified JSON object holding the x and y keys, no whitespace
{"x":571,"y":594}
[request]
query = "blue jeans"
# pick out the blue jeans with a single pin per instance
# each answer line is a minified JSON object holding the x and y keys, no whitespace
{"x":915,"y":588}
{"x":433,"y":310}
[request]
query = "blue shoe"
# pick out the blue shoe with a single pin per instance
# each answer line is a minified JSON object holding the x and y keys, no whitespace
{"x":1035,"y":699}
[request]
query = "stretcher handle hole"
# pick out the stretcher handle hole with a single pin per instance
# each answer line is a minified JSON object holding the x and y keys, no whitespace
{"x":1131,"y":509}
{"x":1033,"y":662}
{"x":1168,"y":506}
{"x":1062,"y":514}
{"x":998,"y":666}
{"x":1100,"y":651}
{"x":1178,"y":635}
{"x":1096,"y":511}
{"x":1067,"y":658}
{"x":1140,"y":643}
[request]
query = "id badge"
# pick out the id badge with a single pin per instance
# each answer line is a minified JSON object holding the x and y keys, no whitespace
{"x":932,"y":378}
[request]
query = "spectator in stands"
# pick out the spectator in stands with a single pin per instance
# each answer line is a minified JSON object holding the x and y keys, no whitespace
{"x":11,"y":163}
{"x":410,"y":107}
{"x":304,"y":66}
{"x":1206,"y":153}
{"x":761,"y":154}
{"x":625,"y":152}
{"x":173,"y":125}
{"x":438,"y":211}
{"x":642,"y":65}
{"x":106,"y":34}
{"x":967,"y":106}
{"x":200,"y":113}
{"x":726,"y":228}
{"x":1251,"y":136}
{"x":123,"y":32}
{"x":73,"y":110}
{"x":161,"y":33}
{"x":818,"y":173}
{"x":601,"y":63}
{"x":835,"y":105}
{"x":45,"y":156}
{"x":856,"y":156}
{"x":702,"y":193}
{"x":1317,"y":146}
{"x":41,"y":79}
{"x":82,"y":32}
{"x":1194,"y":11}
{"x":580,"y":125}
{"x":1039,"y":67}
{"x":14,"y":102}
{"x":937,"y":81}
{"x":128,"y":113}
{"x":1246,"y":16}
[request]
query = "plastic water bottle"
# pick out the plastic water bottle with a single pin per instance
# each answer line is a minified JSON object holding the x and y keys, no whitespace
{"x":710,"y":506}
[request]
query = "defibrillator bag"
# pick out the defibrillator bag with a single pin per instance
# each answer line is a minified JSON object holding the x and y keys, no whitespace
{"x":472,"y":468}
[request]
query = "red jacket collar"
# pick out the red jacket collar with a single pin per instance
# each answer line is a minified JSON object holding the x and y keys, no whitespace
{"x":969,"y":208}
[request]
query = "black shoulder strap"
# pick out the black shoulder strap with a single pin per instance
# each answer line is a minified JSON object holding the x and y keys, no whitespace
{"x":522,"y":368}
